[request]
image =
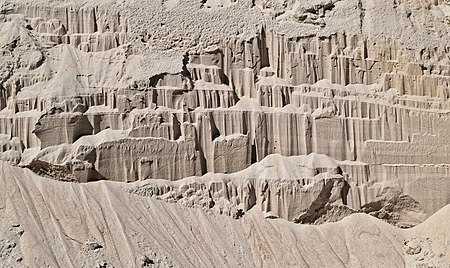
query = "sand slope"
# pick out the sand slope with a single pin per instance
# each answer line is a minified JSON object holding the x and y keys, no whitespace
{"x":45,"y":223}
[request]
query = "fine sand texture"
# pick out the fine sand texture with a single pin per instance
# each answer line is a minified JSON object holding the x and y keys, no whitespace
{"x":224,"y":133}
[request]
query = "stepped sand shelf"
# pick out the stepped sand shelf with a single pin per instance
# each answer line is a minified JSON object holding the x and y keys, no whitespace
{"x":224,"y":133}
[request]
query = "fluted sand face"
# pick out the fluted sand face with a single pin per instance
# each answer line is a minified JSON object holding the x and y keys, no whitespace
{"x":224,"y":133}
